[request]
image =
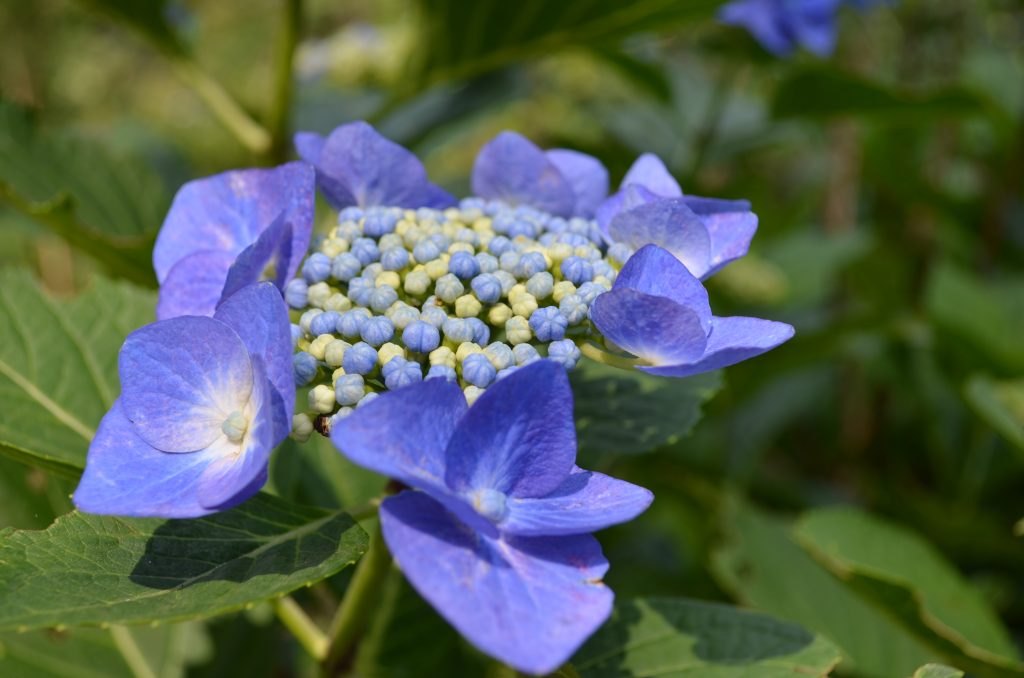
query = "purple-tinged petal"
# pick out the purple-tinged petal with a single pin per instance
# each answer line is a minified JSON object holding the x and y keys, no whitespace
{"x":518,"y":438}
{"x":193,"y":286}
{"x":656,"y":329}
{"x":273,"y":248}
{"x":653,"y":270}
{"x":230,"y":477}
{"x":181,"y":378}
{"x":650,"y":172}
{"x":585,"y":502}
{"x":731,"y":233}
{"x":763,"y":20}
{"x":513,"y":169}
{"x":258,"y":315}
{"x":403,"y":434}
{"x":125,"y":476}
{"x":814,"y":25}
{"x":228,"y":211}
{"x":670,"y":224}
{"x":607,"y":210}
{"x":530,"y":602}
{"x":706,"y":206}
{"x":587,"y":176}
{"x":732,"y":340}
{"x":355,"y":165}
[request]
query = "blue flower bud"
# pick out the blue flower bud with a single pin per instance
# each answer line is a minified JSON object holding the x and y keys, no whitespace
{"x":352,"y":213}
{"x":577,"y":270}
{"x":525,"y":354}
{"x":390,"y":241}
{"x":345,"y":266}
{"x":574,"y":239}
{"x":441,"y":372}
{"x":620,"y":253}
{"x":361,"y":358}
{"x":478,"y":370}
{"x":365,"y":250}
{"x":405,"y":372}
{"x":316,"y":268}
{"x":367,"y":399}
{"x":481,"y":332}
{"x":325,"y":323}
{"x":296,"y":335}
{"x":508,"y":260}
{"x":589,"y":291}
{"x":442,"y":241}
{"x":548,"y":323}
{"x":522,"y":227}
{"x":498,"y":245}
{"x":507,"y":280}
{"x":394,"y":259}
{"x":573,"y":308}
{"x":402,"y":315}
{"x":421,"y":337}
{"x":564,"y":352}
{"x":541,"y":285}
{"x":304,"y":366}
{"x":295,"y":293}
{"x":488,"y":262}
{"x":529,"y":265}
{"x":448,"y":288}
{"x":382,"y":297}
{"x":486,"y":287}
{"x":500,"y":355}
{"x":433,"y":315}
{"x":507,"y":371}
{"x":557,"y":225}
{"x":377,"y":330}
{"x":349,"y":230}
{"x":426,"y":250}
{"x":391,"y":365}
{"x":359,"y":290}
{"x":350,"y":324}
{"x":349,"y":389}
{"x":464,"y":265}
{"x":378,"y":223}
{"x":457,"y":330}
{"x":603,"y":268}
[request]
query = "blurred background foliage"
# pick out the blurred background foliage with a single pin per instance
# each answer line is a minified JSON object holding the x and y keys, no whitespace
{"x":889,"y":182}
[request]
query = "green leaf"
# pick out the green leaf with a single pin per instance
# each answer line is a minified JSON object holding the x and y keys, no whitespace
{"x":938,"y":671}
{"x":762,"y":566}
{"x":678,"y":637}
{"x":58,"y":366}
{"x":462,"y":41}
{"x":106,"y":206}
{"x":149,"y":17}
{"x":902,"y":573}
{"x":1000,"y":404}
{"x":88,"y":569}
{"x":822,"y":92}
{"x":628,"y":412}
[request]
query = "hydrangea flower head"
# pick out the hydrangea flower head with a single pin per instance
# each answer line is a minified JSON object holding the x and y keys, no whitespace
{"x":703,"y":233}
{"x":659,"y":312}
{"x":227,"y":231}
{"x":496,"y":532}
{"x":203,"y":402}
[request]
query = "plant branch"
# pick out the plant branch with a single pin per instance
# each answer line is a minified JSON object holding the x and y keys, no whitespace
{"x":295,"y":619}
{"x":280,"y":107}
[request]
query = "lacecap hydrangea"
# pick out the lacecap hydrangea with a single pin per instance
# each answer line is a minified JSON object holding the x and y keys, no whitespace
{"x":413,"y":285}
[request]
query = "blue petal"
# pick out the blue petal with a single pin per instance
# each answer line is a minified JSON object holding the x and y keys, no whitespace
{"x":355,"y":165}
{"x":731,"y":233}
{"x":653,"y":328}
{"x":258,"y":315}
{"x":706,"y":206}
{"x":669,"y":224}
{"x":650,"y":172}
{"x":764,"y":20}
{"x":273,"y":247}
{"x":518,"y":438}
{"x":233,"y":472}
{"x":732,"y":340}
{"x":654,"y":271}
{"x":193,"y":286}
{"x":512,"y":169}
{"x":529,"y":602}
{"x":587,"y":176}
{"x":814,"y":25}
{"x":228,"y":211}
{"x":632,"y":195}
{"x":181,"y":378}
{"x":403,"y":434}
{"x":583,"y":503}
{"x":125,"y":476}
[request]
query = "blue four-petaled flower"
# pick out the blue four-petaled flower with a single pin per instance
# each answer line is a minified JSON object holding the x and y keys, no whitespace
{"x":496,"y":534}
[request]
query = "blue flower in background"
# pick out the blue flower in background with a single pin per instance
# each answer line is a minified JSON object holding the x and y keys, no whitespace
{"x":565,"y":183}
{"x":781,"y":26}
{"x":658,"y":311}
{"x":650,"y":208}
{"x":203,"y":402}
{"x":224,"y":232}
{"x":497,"y":536}
{"x":356,"y":166}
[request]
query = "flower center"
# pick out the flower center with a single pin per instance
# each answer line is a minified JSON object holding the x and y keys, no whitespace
{"x":235,"y":426}
{"x":491,"y":504}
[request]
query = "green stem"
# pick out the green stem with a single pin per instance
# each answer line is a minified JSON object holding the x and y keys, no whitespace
{"x":353,"y":614}
{"x":252,"y":135}
{"x":280,"y":106}
{"x":295,"y":619}
{"x":599,"y":355}
{"x":125,"y":643}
